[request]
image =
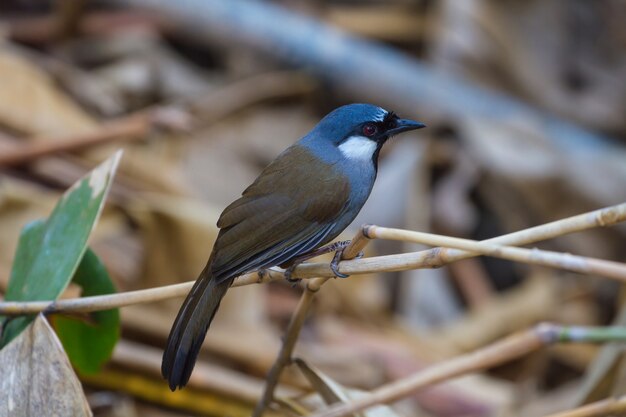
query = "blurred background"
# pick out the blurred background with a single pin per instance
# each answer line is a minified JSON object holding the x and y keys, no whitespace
{"x":525,"y":104}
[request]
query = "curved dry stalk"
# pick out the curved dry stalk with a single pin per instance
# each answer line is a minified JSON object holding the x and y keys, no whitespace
{"x":574,"y":263}
{"x":295,"y":325}
{"x":109,"y":301}
{"x":606,"y":407}
{"x":598,"y":218}
{"x":128,"y":128}
{"x":284,"y":356}
{"x":429,"y":258}
{"x":437,"y":257}
{"x":499,"y":352}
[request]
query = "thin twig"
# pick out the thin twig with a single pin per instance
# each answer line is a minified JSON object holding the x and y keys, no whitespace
{"x":606,"y":407}
{"x":502,"y":351}
{"x":437,"y":257}
{"x":133,"y":127}
{"x":126,"y":128}
{"x":581,"y":264}
{"x":284,"y":356}
{"x":424,"y":259}
{"x":106,"y":302}
{"x":598,"y":218}
{"x":295,"y":325}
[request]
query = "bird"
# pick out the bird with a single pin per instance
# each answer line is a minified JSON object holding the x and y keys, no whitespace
{"x":300,"y":202}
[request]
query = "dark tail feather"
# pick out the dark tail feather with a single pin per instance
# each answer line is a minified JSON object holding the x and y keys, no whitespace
{"x":190,"y":327}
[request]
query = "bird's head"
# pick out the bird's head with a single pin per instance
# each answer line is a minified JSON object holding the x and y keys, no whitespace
{"x":360,"y":130}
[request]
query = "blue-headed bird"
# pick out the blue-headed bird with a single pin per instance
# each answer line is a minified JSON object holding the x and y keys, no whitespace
{"x":301,"y":201}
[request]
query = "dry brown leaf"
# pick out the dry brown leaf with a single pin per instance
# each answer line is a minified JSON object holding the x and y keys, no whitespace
{"x":332,"y":392}
{"x":220,"y":161}
{"x":178,"y":234}
{"x":384,"y":21}
{"x":36,"y":377}
{"x":529,"y":181}
{"x":350,"y":350}
{"x":517,"y":309}
{"x":565,"y":57}
{"x":522,"y":154}
{"x":223,"y":339}
{"x":206,"y":376}
{"x":31,"y":103}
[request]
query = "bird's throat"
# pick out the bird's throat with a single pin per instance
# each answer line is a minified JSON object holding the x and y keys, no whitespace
{"x":358,"y":148}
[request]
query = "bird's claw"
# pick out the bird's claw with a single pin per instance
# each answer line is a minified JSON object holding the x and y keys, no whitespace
{"x":288,"y":272}
{"x":334,"y":265}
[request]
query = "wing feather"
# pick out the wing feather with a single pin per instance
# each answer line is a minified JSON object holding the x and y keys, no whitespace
{"x":280,"y":216}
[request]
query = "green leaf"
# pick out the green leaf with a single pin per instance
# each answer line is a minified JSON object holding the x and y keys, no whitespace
{"x":48,"y":253}
{"x":90,"y":344}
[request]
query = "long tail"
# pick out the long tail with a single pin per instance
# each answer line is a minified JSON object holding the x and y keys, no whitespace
{"x":190,"y":327}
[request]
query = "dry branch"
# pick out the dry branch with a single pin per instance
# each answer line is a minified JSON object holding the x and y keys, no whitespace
{"x":295,"y":325}
{"x":494,"y":354}
{"x":132,"y":127}
{"x":209,"y":108}
{"x":284,"y":356}
{"x":604,"y":217}
{"x":106,"y":302}
{"x":581,"y":264}
{"x":424,"y":259}
{"x":609,"y":406}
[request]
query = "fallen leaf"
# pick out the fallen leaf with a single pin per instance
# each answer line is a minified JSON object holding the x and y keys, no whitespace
{"x":333,"y":392}
{"x":31,"y":103}
{"x":36,"y":377}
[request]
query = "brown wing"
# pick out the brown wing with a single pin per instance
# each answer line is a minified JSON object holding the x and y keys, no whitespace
{"x":290,"y":209}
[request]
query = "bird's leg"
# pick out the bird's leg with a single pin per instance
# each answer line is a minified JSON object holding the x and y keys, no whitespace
{"x":291,"y":265}
{"x":334,"y":264}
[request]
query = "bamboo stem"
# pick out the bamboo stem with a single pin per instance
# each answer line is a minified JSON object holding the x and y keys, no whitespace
{"x":598,"y":218}
{"x":581,"y":264}
{"x":357,"y":244}
{"x":606,"y":407}
{"x":424,"y":259}
{"x":284,"y":356}
{"x":504,"y":350}
{"x":109,"y":301}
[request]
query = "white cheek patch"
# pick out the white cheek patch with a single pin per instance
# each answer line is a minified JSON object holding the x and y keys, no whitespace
{"x":358,"y":148}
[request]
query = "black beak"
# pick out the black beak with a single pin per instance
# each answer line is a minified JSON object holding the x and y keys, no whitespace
{"x":404,"y":125}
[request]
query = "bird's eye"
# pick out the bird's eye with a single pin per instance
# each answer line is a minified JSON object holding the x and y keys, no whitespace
{"x":370,"y":129}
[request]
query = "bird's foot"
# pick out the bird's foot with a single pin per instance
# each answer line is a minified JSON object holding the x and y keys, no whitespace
{"x":291,"y":265}
{"x":334,"y":264}
{"x":289,"y":271}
